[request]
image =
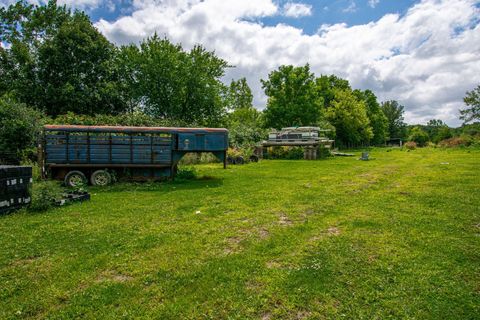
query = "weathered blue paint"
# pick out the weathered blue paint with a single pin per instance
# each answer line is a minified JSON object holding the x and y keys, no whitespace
{"x":150,"y":151}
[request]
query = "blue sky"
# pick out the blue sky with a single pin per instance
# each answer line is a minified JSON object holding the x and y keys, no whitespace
{"x":424,"y":54}
{"x":342,"y":11}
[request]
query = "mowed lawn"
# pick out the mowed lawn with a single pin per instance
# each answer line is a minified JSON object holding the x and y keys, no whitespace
{"x":397,"y":237}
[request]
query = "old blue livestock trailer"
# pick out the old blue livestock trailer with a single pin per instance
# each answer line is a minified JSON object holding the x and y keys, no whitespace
{"x":76,"y":153}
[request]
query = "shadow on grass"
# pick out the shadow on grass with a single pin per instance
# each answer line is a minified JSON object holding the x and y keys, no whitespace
{"x":165,"y":186}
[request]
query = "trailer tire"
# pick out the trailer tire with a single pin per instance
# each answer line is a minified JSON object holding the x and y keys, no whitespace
{"x":239,"y":160}
{"x":230,"y":160}
{"x":101,"y":178}
{"x":74,"y":179}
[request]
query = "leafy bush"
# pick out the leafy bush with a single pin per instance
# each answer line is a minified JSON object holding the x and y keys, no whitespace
{"x":20,"y":127}
{"x":419,"y":136}
{"x":196,"y":158}
{"x":136,"y":118}
{"x":186,"y":173}
{"x":323,"y":152}
{"x":288,"y":153}
{"x":410,"y":145}
{"x":43,"y":195}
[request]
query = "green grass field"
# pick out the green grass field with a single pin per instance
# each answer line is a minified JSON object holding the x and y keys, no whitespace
{"x":397,"y":237}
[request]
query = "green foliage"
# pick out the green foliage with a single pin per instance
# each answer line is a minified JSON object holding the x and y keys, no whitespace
{"x":19,"y":129}
{"x":349,"y":117}
{"x":472,"y":100}
{"x":378,"y":120}
{"x":292,"y":98}
{"x":239,"y":95}
{"x":135,"y":118}
{"x":326,"y":86}
{"x":245,"y":127}
{"x":170,"y":83}
{"x":394,"y":113}
{"x":437,"y":130}
{"x":186,"y":173}
{"x":285,"y":153}
{"x":419,"y":136}
{"x":442,"y":134}
{"x":44,"y":194}
{"x":471,"y":129}
{"x":57,"y":61}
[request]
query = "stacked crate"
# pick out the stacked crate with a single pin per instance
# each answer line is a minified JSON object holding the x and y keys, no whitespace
{"x":15,"y":182}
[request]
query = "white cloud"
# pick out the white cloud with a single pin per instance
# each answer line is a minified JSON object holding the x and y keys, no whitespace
{"x":352,"y":7}
{"x":296,"y":10}
{"x":425,"y":59}
{"x":373,"y":3}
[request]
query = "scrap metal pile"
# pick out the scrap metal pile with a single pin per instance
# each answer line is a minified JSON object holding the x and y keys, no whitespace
{"x":298,"y":136}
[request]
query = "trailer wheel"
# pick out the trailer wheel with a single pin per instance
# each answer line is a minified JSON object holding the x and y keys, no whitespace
{"x":253,"y":158}
{"x":74,"y":179}
{"x":230,"y":160}
{"x":101,"y":178}
{"x":239,"y":160}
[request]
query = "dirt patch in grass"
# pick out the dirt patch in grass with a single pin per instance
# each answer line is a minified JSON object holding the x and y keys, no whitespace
{"x":302,"y":315}
{"x":254,"y":285}
{"x":112,"y":275}
{"x":266,"y":316}
{"x":273,"y":264}
{"x":24,"y":261}
{"x":263,"y":233}
{"x":233,"y":245}
{"x":331,"y":231}
{"x":283,"y":220}
{"x":334,"y":231}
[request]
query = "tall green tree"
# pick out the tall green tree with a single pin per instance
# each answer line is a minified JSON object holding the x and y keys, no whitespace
{"x":472,"y":100}
{"x":326,"y":86}
{"x":349,"y":117}
{"x":239,"y":95}
{"x":168,"y":82}
{"x":57,"y":61}
{"x":437,"y":130}
{"x":378,"y":120}
{"x":394,"y":113}
{"x":292,"y":98}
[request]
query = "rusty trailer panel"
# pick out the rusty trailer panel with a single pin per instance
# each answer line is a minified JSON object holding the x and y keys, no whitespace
{"x":155,"y":149}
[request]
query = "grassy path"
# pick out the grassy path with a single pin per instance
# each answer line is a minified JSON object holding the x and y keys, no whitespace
{"x":396,"y":237}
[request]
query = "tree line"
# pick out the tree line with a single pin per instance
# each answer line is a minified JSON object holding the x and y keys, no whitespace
{"x":55,"y":65}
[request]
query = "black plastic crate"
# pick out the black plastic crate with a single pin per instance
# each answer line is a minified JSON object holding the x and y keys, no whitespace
{"x":15,"y":183}
{"x":14,"y":171}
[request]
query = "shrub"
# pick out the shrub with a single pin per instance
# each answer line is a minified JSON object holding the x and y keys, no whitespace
{"x":20,"y":127}
{"x":186,"y":173}
{"x":410,"y":145}
{"x":290,"y":153}
{"x":136,"y":118}
{"x":323,"y":152}
{"x":196,"y":158}
{"x":419,"y":136}
{"x":44,"y":194}
{"x":294,"y":153}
